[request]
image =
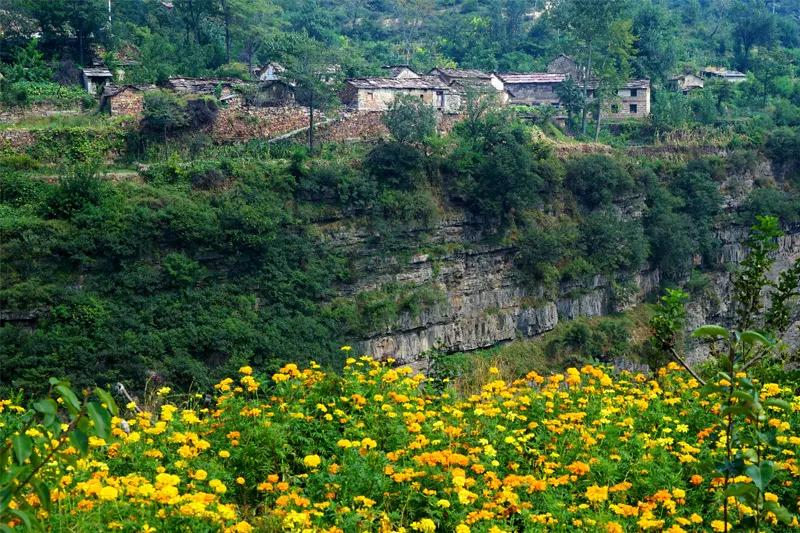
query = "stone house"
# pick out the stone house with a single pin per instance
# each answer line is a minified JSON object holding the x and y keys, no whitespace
{"x":464,"y":80}
{"x":376,"y":94}
{"x":633,"y":102}
{"x":124,"y":99}
{"x":270,"y":72}
{"x":686,"y":83}
{"x":721,"y":73}
{"x":270,"y":93}
{"x":537,"y":88}
{"x":94,"y":79}
{"x":400,"y":71}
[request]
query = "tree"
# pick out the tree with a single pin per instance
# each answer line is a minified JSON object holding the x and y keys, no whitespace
{"x":657,"y":41}
{"x":594,"y":26}
{"x":410,"y":120}
{"x":614,"y":68}
{"x":769,"y":65}
{"x":58,"y":20}
{"x":753,"y":26}
{"x":311,"y":67}
{"x":572,"y":98}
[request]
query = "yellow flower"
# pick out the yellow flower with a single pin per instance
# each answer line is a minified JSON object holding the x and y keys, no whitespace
{"x":246,"y":370}
{"x":312,"y":461}
{"x":163,"y":391}
{"x":462,"y":528}
{"x":108,"y":493}
{"x":346,"y":348}
{"x":224,"y":454}
{"x":200,"y":475}
{"x":444,"y":504}
{"x":426,"y":525}
{"x":240,"y":480}
{"x":597,"y":494}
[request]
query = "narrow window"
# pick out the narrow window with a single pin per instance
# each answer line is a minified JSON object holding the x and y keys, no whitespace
{"x":634,"y":92}
{"x":634,"y":109}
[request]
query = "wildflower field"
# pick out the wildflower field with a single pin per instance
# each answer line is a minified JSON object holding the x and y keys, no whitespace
{"x":377,"y":449}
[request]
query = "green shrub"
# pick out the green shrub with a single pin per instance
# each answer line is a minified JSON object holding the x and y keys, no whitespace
{"x":597,"y":179}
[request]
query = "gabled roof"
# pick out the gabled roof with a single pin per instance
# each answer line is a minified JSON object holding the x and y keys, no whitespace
{"x":113,"y":90}
{"x":461,"y":73}
{"x":423,"y":82}
{"x":637,"y":84}
{"x":532,"y":77}
{"x":97,"y":72}
{"x":724,"y":72}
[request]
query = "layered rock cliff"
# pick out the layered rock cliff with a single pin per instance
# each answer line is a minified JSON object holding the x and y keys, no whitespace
{"x":485,"y":300}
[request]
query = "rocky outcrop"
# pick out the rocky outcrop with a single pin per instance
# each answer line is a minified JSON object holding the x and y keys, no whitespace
{"x":487,"y":303}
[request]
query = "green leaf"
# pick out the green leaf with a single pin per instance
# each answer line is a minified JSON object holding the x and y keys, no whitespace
{"x":753,"y":337}
{"x":761,"y":475}
{"x":54,"y":381}
{"x":711,"y":331}
{"x":79,"y":439}
{"x":43,"y":492}
{"x":5,"y":529}
{"x":740,"y":489}
{"x":711,"y":388}
{"x":47,"y":406}
{"x":101,"y":419}
{"x":5,"y":499}
{"x":23,"y":447}
{"x":781,"y":512}
{"x":107,"y":399}
{"x":22,"y":515}
{"x":777,"y":402}
{"x":73,"y":404}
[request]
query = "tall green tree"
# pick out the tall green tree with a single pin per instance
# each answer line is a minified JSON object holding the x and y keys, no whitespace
{"x":593,"y":25}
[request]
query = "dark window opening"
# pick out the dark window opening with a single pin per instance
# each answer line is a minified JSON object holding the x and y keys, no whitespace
{"x":634,"y":92}
{"x":615,"y":108}
{"x":634,"y":109}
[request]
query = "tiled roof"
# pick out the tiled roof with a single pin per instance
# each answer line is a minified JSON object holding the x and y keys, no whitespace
{"x":113,"y":90}
{"x":423,"y":82}
{"x":637,"y":84}
{"x":462,"y":73}
{"x":97,"y":72}
{"x":727,"y":73}
{"x":532,"y":77}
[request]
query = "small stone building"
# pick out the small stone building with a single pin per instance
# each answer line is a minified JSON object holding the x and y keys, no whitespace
{"x":686,"y":83}
{"x":270,"y":72}
{"x":94,"y":79}
{"x":537,"y":88}
{"x":120,"y":100}
{"x":721,"y":73}
{"x":376,"y":94}
{"x":270,"y":93}
{"x":633,"y":102}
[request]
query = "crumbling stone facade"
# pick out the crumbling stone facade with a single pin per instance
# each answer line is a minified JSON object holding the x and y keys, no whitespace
{"x":243,"y":124}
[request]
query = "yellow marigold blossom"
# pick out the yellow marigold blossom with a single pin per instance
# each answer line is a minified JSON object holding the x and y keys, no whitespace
{"x":425,"y":525}
{"x":246,"y":370}
{"x":108,"y":493}
{"x":596,"y":493}
{"x":312,"y":461}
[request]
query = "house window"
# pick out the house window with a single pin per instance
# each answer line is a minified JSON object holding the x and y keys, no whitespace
{"x":440,"y":98}
{"x":615,"y":108}
{"x":370,"y":96}
{"x":634,"y":109}
{"x":634,"y":92}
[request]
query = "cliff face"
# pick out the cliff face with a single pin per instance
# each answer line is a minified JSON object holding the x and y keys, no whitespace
{"x":486,"y":302}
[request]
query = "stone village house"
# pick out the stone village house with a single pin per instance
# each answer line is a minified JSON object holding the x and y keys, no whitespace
{"x":377,"y":94}
{"x":124,"y":99}
{"x":94,"y":79}
{"x":541,"y":88}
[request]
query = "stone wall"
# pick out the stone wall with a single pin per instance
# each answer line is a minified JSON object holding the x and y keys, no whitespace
{"x":243,"y":124}
{"x":128,"y":102}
